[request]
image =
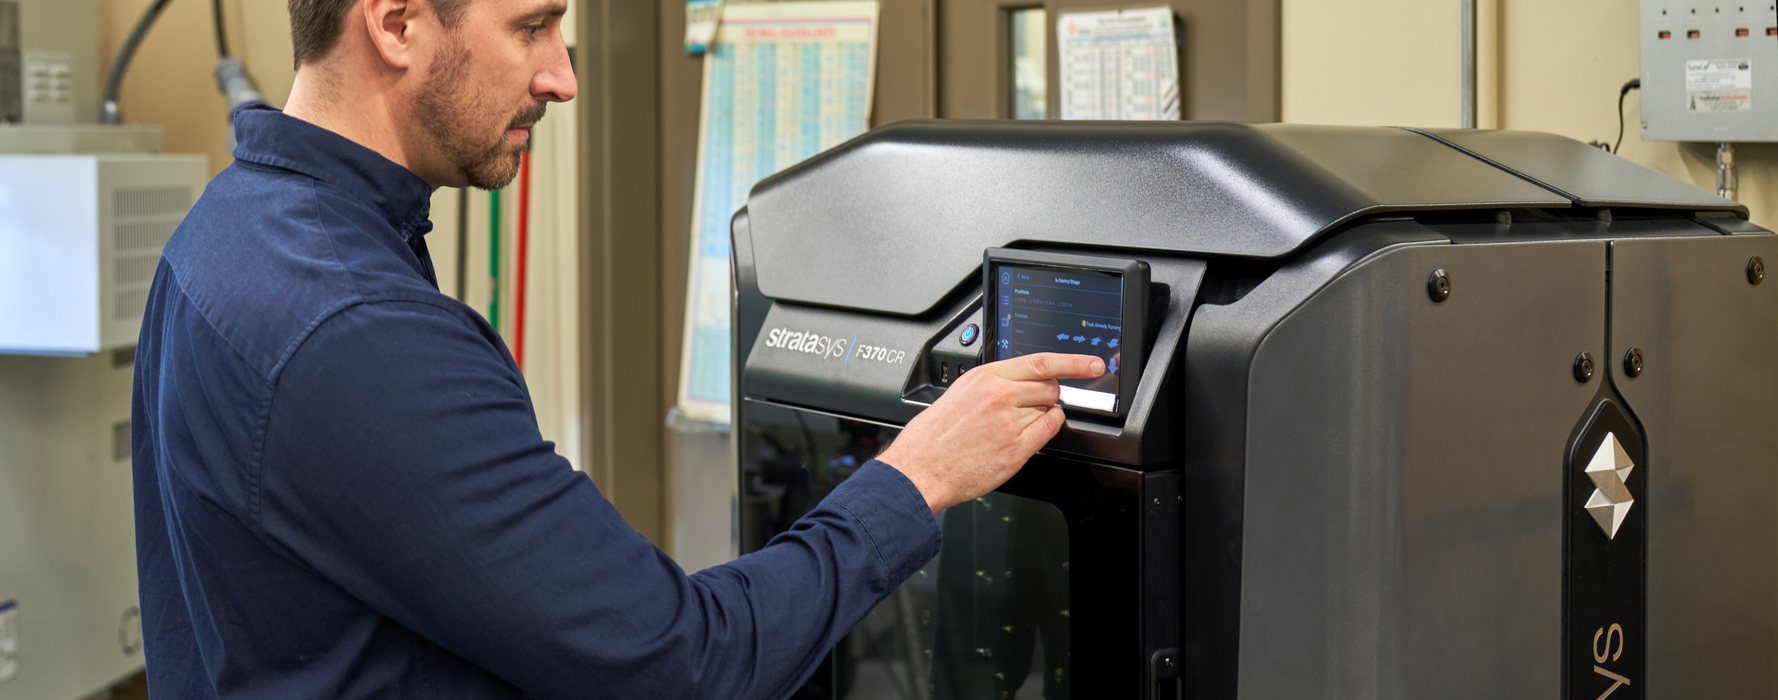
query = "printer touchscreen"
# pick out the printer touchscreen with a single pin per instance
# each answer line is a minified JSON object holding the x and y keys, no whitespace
{"x":1078,"y":312}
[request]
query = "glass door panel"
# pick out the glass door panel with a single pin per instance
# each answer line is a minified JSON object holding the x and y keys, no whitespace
{"x":1035,"y":589}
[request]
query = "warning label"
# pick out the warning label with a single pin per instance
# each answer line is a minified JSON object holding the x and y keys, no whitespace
{"x":1719,"y":85}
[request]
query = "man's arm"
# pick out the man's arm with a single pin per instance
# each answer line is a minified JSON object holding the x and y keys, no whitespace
{"x":402,"y":461}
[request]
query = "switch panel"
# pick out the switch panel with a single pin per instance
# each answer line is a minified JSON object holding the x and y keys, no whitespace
{"x":1709,"y":70}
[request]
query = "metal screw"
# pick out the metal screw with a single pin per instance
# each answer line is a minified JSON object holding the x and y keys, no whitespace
{"x":1438,"y":285}
{"x":1756,"y":270}
{"x":1633,"y":362}
{"x":1583,"y":367}
{"x":1168,"y":661}
{"x":1157,"y":501}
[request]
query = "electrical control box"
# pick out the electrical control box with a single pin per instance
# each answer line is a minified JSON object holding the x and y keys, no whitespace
{"x":1709,"y":70}
{"x":80,"y":237}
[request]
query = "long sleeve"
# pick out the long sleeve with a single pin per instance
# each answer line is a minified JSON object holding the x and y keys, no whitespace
{"x":401,"y":461}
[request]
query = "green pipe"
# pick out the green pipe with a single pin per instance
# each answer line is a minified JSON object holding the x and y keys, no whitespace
{"x":494,"y":260}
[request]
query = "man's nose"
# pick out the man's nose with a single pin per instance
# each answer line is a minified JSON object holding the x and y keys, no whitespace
{"x":555,"y":83}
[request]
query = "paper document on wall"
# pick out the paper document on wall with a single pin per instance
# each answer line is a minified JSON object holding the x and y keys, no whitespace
{"x":783,"y":81}
{"x":700,"y":24}
{"x":1118,"y":64}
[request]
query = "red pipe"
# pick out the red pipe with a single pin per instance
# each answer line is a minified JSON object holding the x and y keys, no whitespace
{"x":518,"y":317}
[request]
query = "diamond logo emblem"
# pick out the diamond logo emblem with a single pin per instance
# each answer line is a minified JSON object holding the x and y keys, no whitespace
{"x":1611,"y":498}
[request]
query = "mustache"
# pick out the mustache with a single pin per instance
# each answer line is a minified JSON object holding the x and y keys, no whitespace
{"x":529,"y":115}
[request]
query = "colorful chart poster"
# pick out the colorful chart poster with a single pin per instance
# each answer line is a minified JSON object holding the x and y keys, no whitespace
{"x":1118,"y":64}
{"x":783,"y":81}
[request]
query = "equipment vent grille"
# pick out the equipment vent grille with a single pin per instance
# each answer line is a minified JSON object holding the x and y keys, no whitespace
{"x":130,"y":305}
{"x":147,"y":201}
{"x":136,"y":270}
{"x":146,"y":235}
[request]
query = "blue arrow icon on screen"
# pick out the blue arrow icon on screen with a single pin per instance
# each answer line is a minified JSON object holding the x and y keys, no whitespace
{"x":1111,"y":343}
{"x":1095,"y":341}
{"x":1080,"y":339}
{"x":1111,"y":366}
{"x":1061,"y":336}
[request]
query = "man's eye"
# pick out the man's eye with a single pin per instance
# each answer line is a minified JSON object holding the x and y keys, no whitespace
{"x":531,"y":31}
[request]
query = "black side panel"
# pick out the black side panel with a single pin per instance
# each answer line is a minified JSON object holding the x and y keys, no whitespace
{"x":1219,"y":352}
{"x":1708,"y":401}
{"x":892,"y":220}
{"x":1402,"y":533}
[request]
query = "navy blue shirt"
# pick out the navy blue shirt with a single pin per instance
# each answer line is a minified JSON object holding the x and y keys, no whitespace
{"x":341,"y":491}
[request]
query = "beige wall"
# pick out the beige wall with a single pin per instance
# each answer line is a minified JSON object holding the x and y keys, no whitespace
{"x":1545,"y":66}
{"x":170,"y":84}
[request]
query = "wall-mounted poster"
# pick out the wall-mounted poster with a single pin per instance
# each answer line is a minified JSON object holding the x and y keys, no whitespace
{"x":784,"y":81}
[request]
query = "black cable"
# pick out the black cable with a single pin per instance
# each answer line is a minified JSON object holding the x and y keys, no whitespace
{"x":114,"y":82}
{"x":231,"y":76}
{"x":221,"y":34}
{"x":1625,"y":90}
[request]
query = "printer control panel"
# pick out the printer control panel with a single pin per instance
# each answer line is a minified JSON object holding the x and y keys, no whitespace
{"x":1070,"y":311}
{"x":1129,"y":312}
{"x":1072,"y":304}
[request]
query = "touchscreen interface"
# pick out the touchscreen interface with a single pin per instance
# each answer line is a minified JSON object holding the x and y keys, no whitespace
{"x":1078,"y":312}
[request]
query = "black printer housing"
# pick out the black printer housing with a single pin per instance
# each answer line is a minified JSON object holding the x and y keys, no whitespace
{"x":1339,"y":476}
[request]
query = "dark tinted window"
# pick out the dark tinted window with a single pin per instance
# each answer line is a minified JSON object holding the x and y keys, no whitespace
{"x":988,"y":618}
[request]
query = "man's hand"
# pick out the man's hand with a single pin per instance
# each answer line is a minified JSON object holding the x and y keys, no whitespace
{"x":986,"y":426}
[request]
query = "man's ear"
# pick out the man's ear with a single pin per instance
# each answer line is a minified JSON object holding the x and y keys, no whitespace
{"x":391,"y":24}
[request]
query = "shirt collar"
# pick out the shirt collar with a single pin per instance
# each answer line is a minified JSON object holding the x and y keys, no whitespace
{"x":269,"y":137}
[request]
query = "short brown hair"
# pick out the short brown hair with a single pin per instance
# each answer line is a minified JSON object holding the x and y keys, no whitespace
{"x":315,"y":25}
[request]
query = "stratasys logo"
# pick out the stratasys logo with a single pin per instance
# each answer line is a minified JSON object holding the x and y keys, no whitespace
{"x":831,"y":348}
{"x":807,"y":341}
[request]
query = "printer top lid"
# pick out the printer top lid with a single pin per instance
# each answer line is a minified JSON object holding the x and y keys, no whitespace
{"x":892,"y":220}
{"x":1589,"y":176}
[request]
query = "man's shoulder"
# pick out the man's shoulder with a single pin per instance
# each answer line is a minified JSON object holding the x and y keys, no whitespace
{"x":267,"y":254}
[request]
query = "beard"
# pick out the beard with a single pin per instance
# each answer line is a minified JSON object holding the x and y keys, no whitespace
{"x":456,"y":115}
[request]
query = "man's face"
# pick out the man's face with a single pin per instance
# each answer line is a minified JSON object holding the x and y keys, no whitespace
{"x":487,"y":85}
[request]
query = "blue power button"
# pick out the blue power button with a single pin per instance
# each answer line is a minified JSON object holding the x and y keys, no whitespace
{"x":969,"y":334}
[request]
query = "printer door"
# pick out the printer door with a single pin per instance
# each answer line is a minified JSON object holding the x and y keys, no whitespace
{"x":1040,"y":587}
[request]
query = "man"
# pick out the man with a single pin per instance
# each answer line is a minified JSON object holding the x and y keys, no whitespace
{"x":341,"y":491}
